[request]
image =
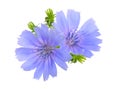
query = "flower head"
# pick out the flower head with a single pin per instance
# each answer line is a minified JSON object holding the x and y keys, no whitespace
{"x":78,"y":41}
{"x":41,"y":51}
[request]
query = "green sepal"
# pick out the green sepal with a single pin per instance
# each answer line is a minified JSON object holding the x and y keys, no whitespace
{"x":79,"y":58}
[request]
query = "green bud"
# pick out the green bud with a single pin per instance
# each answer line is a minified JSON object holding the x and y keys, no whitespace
{"x":49,"y":19}
{"x":31,"y":26}
{"x":76,"y":58}
{"x":81,"y":58}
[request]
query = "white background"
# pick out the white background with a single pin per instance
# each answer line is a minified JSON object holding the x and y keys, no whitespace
{"x":102,"y":71}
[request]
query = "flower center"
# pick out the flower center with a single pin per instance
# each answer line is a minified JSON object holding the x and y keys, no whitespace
{"x":72,"y":38}
{"x":46,"y":50}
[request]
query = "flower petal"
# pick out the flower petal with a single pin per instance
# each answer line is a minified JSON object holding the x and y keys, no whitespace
{"x":27,"y":39}
{"x":90,"y":41}
{"x":88,"y":27}
{"x":73,"y":18}
{"x":54,"y":38}
{"x":93,"y":47}
{"x":87,"y":53}
{"x":39,"y":70}
{"x":61,"y":63}
{"x":46,"y":70}
{"x":42,"y":33}
{"x":63,"y":54}
{"x":23,"y":53}
{"x":91,"y":44}
{"x":77,"y":50}
{"x":62,"y":24}
{"x":52,"y":67}
{"x":93,"y":34}
{"x":31,"y":63}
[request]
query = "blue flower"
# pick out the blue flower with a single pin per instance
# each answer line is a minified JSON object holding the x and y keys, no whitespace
{"x":78,"y":41}
{"x":41,"y":51}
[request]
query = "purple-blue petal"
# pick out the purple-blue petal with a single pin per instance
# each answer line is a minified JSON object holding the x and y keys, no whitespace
{"x":61,"y":21}
{"x":88,"y":27}
{"x":77,"y":50}
{"x":63,"y":54}
{"x":61,"y":63}
{"x":23,"y":53}
{"x":46,"y":70}
{"x":54,"y":38}
{"x":42,"y":33}
{"x":73,"y":19}
{"x":31,"y":63}
{"x":90,"y":41}
{"x":27,"y":39}
{"x":52,"y":68}
{"x":39,"y":70}
{"x":91,"y":47}
{"x":93,"y":34}
{"x":87,"y":53}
